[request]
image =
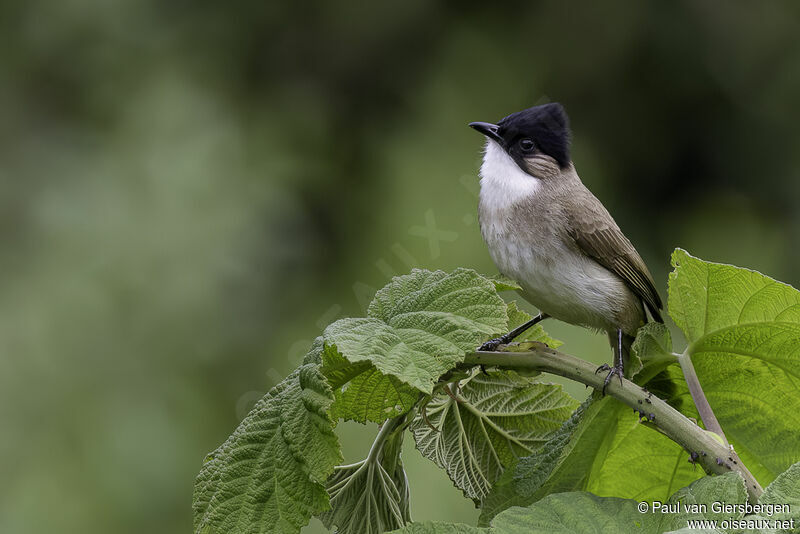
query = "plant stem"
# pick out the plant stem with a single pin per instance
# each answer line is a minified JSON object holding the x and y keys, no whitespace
{"x":712,"y":455}
{"x":699,"y":398}
{"x":385,"y":431}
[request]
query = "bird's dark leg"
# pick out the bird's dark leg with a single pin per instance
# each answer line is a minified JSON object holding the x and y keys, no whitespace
{"x":492,"y":344}
{"x":619,"y":366}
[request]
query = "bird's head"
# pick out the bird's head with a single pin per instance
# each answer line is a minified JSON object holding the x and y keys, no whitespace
{"x":535,"y":140}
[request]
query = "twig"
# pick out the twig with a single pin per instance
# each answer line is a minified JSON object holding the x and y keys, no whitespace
{"x":699,"y":398}
{"x":386,"y":430}
{"x":713,"y":456}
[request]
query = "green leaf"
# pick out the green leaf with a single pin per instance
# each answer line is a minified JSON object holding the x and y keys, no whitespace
{"x":362,"y":392}
{"x":268,"y":477}
{"x":421,"y":324}
{"x":367,"y":499}
{"x":632,"y":460}
{"x":418,"y":327}
{"x":695,"y":501}
{"x":504,"y":283}
{"x":652,"y":347}
{"x":502,"y":496}
{"x":743,"y":330}
{"x":498,"y":418}
{"x":653,"y":341}
{"x":573,"y":512}
{"x":586,"y":512}
{"x":566,"y":513}
{"x":687,"y":530}
{"x":706,"y":297}
{"x":371,"y":496}
{"x":569,"y":513}
{"x":518,"y":485}
{"x":785,"y":490}
{"x":436,"y":527}
{"x":604,"y":449}
{"x":314,"y":354}
{"x":534,"y":471}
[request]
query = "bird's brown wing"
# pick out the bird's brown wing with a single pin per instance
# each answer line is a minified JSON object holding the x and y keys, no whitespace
{"x":596,"y":233}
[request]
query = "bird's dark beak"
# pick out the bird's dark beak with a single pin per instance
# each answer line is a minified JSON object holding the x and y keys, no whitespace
{"x":488,"y":129}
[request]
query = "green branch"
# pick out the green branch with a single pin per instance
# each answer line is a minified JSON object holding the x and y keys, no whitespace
{"x":711,"y":454}
{"x":699,"y":397}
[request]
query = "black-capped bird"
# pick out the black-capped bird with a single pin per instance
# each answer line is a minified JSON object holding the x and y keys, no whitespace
{"x":548,"y":232}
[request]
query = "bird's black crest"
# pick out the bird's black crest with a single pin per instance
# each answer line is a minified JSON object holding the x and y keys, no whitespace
{"x":547,"y":125}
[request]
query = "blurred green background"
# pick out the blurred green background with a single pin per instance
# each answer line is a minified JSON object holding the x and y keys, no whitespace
{"x":191,"y":191}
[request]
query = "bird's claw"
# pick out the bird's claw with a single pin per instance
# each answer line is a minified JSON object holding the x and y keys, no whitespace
{"x":616,"y":370}
{"x":492,"y":344}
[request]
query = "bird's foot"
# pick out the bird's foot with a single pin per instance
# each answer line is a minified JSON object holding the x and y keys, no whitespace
{"x":616,"y":370}
{"x":505,"y":339}
{"x":492,"y":344}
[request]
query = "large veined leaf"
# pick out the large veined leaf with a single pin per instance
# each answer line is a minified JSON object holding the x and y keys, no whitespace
{"x":615,"y":462}
{"x":695,"y":501}
{"x":603,"y":449}
{"x":504,"y":283}
{"x":417,"y":327}
{"x":362,"y":392}
{"x":783,"y":491}
{"x":708,"y":297}
{"x":367,"y":499}
{"x":652,"y":348}
{"x":743,"y":330}
{"x":497,"y":419}
{"x":568,"y":513}
{"x":437,"y":316}
{"x":269,"y":476}
{"x":371,"y":496}
{"x":520,"y":484}
{"x":700,"y":530}
{"x":437,"y":527}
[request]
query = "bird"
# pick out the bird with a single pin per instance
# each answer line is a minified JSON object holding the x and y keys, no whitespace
{"x":548,"y":232}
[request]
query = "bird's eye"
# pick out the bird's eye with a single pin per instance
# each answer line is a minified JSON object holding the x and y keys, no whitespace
{"x":525,"y":144}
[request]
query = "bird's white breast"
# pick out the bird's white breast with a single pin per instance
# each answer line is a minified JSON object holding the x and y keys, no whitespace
{"x":502,"y":181}
{"x":526,"y":243}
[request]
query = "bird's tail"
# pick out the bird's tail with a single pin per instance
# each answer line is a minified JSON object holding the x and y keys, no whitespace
{"x":655,"y":313}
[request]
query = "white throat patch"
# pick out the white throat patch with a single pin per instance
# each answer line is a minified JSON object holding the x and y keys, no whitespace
{"x":502,"y":181}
